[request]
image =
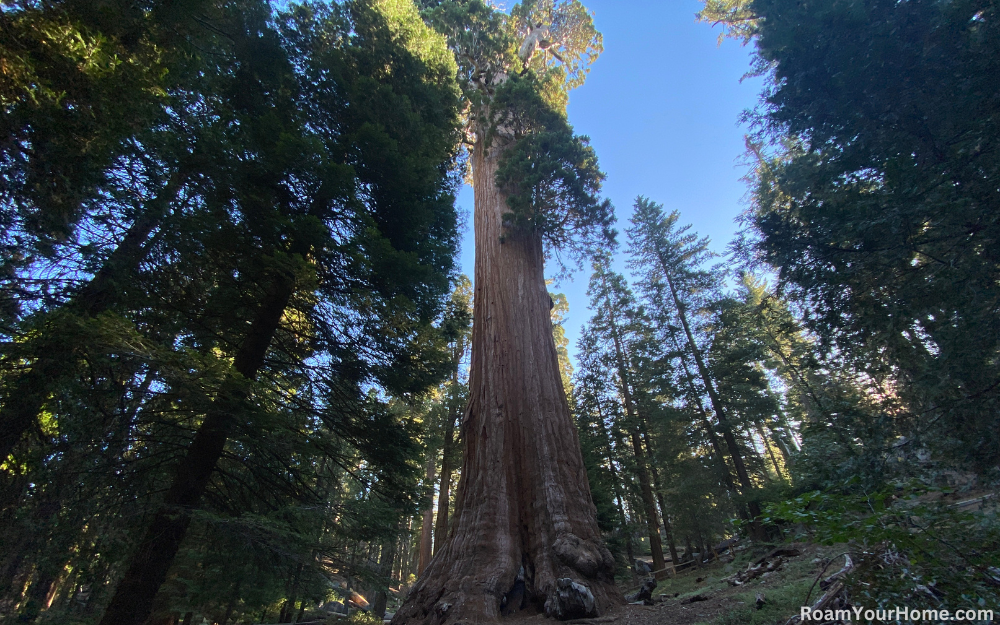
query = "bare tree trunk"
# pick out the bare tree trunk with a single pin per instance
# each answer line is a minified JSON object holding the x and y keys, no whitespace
{"x":770,"y":451}
{"x":752,"y":451}
{"x":147,"y":569}
{"x":524,"y":515}
{"x":289,"y":607}
{"x":427,"y":525}
{"x":616,"y":484}
{"x":667,"y":530}
{"x":232,"y":604}
{"x":649,"y":503}
{"x":386,"y":559}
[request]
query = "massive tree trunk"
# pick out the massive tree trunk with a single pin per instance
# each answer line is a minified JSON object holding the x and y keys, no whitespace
{"x":147,"y":569}
{"x":525,"y":532}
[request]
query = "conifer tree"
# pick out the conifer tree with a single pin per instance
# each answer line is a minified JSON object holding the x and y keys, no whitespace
{"x":616,"y":319}
{"x":344,"y":215}
{"x":671,"y":263}
{"x":524,"y":531}
{"x":878,"y":205}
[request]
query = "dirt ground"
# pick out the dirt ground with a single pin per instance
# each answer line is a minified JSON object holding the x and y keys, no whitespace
{"x":702,"y":595}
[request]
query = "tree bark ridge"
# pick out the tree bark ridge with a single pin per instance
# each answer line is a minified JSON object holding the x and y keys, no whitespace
{"x":524,"y":520}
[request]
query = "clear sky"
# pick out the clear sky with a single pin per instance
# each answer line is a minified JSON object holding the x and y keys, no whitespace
{"x":661,"y":106}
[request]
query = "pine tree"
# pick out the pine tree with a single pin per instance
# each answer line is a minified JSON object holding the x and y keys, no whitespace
{"x":385,"y":231}
{"x":878,"y":207}
{"x":671,"y":263}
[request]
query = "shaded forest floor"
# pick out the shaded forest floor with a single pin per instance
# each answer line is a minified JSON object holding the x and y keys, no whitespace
{"x":703,"y":595}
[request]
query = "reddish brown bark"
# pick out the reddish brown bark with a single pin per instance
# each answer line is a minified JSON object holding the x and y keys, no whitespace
{"x":524,"y":533}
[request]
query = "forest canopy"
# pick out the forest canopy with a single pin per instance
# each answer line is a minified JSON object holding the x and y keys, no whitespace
{"x":242,"y":379}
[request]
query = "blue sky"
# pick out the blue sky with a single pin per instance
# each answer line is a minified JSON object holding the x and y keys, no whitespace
{"x":661,"y":107}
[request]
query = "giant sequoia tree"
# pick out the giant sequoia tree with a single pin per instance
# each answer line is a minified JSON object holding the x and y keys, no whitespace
{"x":525,"y":533}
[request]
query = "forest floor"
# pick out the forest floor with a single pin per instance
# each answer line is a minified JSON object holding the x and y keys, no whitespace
{"x":703,"y":595}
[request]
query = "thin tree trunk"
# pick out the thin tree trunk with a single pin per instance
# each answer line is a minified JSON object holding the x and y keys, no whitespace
{"x":625,"y":531}
{"x":427,"y":524}
{"x":386,"y":559}
{"x":524,"y":514}
{"x":727,"y":432}
{"x":232,"y":604}
{"x":649,"y":503}
{"x":751,"y":446}
{"x":41,"y":588}
{"x":779,"y":439}
{"x":26,"y":394}
{"x":652,"y":523}
{"x":444,"y":492}
{"x":667,"y":530}
{"x":289,"y":607}
{"x":770,"y":451}
{"x":720,"y":455}
{"x":147,"y":569}
{"x":616,"y":484}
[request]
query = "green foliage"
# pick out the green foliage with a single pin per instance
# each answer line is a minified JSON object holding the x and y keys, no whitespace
{"x":914,"y":546}
{"x":314,"y":148}
{"x":515,"y":82}
{"x":560,"y":308}
{"x":575,"y":42}
{"x":878,"y":207}
{"x":737,"y":17}
{"x":78,"y":81}
{"x":781,"y":602}
{"x":550,"y":175}
{"x":364,"y":618}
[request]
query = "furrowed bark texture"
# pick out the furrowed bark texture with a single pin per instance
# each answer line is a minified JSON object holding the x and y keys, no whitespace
{"x":525,"y":533}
